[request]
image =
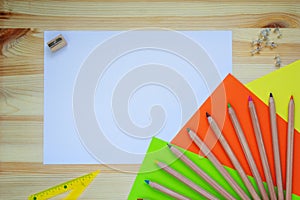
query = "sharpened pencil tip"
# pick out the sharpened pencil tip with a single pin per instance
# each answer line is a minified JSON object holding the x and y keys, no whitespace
{"x":271,"y":95}
{"x":249,"y":98}
{"x":228,"y":105}
{"x":169,"y":145}
{"x":188,"y":129}
{"x":292,"y":97}
{"x":156,"y":161}
{"x":147,"y":181}
{"x":207,"y":114}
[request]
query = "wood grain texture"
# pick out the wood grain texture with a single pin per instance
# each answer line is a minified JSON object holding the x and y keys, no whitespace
{"x":21,"y":71}
{"x":137,"y":14}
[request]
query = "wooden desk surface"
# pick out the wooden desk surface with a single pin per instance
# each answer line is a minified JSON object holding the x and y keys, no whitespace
{"x":21,"y":71}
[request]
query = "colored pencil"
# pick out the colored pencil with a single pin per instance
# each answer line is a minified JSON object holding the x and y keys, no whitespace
{"x":200,"y":172}
{"x":185,"y":180}
{"x":206,"y":151}
{"x":273,"y":122}
{"x":166,"y":190}
{"x":261,"y":148}
{"x":214,"y":126}
{"x":290,"y":148}
{"x":241,"y":136}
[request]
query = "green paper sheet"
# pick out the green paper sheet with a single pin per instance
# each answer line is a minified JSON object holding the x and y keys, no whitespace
{"x":282,"y":83}
{"x":159,"y":151}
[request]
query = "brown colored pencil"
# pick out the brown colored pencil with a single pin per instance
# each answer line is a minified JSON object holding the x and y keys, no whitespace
{"x":261,"y":148}
{"x":290,"y":149}
{"x":166,"y":190}
{"x":239,"y":131}
{"x":273,"y":122}
{"x":214,"y":126}
{"x":185,"y":180}
{"x":206,"y":151}
{"x":200,"y":172}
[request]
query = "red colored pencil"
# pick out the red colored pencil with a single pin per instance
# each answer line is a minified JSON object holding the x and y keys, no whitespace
{"x":290,"y":148}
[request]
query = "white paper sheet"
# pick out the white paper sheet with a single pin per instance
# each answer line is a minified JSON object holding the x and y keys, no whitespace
{"x":108,"y":92}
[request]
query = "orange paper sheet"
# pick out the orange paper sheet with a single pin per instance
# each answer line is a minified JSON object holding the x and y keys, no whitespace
{"x":233,"y":92}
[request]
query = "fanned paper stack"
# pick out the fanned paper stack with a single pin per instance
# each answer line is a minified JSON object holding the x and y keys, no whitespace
{"x":165,"y":175}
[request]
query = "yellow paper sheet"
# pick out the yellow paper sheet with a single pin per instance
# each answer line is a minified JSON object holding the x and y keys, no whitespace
{"x":283,"y":83}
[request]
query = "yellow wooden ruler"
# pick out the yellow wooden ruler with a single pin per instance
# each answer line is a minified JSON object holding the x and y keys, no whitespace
{"x":75,"y":187}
